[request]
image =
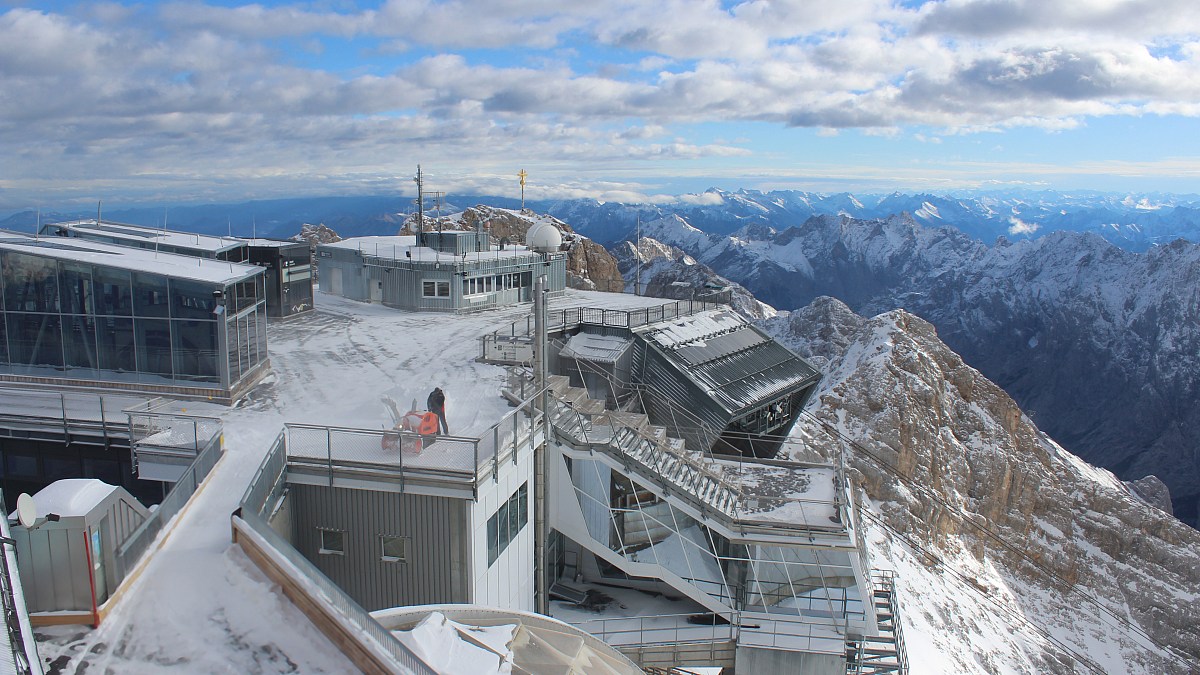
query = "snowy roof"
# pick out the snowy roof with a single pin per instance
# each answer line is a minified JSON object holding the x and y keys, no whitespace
{"x":75,"y":249}
{"x":72,"y":496}
{"x":735,"y":363}
{"x":137,"y":234}
{"x":599,"y":348}
{"x":475,"y":640}
{"x":405,"y":246}
{"x":279,"y":243}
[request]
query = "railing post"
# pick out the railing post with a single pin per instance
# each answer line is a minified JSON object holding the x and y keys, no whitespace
{"x":329,"y":453}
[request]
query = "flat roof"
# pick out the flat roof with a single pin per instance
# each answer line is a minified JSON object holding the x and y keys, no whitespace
{"x":74,"y":249}
{"x":404,"y":247}
{"x":137,"y":234}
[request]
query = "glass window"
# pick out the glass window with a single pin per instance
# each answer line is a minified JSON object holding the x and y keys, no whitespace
{"x":115,"y":345}
{"x":79,"y":345}
{"x":76,"y":288}
{"x":35,"y":339}
{"x":393,"y":549}
{"x":195,"y":349}
{"x":523,"y":504}
{"x":152,"y":338}
{"x":502,"y":524}
{"x":114,"y":295}
{"x":493,"y":540}
{"x":150,"y":296}
{"x":333,"y":542}
{"x":55,"y":468}
{"x":30,"y":283}
{"x":3,"y":341}
{"x":21,"y":465}
{"x":191,"y":300}
{"x":435,"y":289}
{"x":514,"y":517}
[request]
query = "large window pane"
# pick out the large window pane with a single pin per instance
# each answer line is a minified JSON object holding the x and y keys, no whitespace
{"x":114,"y":294}
{"x":30,"y":283}
{"x":153,"y":339}
{"x":79,"y":349}
{"x":115,"y":344}
{"x":35,"y":339}
{"x":76,"y":288}
{"x":191,"y":300}
{"x":195,"y":349}
{"x":235,"y":360}
{"x":3,"y":344}
{"x":150,"y":295}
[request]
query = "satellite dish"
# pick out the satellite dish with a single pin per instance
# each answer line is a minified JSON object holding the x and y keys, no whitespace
{"x":26,"y":510}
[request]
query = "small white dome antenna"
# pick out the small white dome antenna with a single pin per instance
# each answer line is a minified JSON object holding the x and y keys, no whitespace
{"x":543,"y":238}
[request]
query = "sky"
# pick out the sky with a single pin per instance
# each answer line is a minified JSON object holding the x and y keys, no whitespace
{"x":622,"y":100}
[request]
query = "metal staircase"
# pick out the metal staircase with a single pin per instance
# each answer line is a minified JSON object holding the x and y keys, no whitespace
{"x":642,"y":447}
{"x":882,"y":653}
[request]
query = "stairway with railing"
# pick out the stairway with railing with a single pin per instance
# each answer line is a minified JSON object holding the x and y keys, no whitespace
{"x":882,"y":653}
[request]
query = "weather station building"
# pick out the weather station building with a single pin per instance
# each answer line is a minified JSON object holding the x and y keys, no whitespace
{"x":448,"y":271}
{"x":87,"y":314}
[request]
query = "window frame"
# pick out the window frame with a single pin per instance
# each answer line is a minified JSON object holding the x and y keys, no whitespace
{"x":404,"y":542}
{"x":323,"y":550}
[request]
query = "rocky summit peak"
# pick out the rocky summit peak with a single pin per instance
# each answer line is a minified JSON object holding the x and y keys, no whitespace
{"x":1013,"y":554}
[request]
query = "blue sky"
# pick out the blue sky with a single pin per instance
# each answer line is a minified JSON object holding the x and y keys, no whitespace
{"x":622,"y":100}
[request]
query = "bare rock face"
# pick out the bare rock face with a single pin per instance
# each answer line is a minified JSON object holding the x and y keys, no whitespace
{"x":589,"y":266}
{"x":1152,"y":491}
{"x":998,"y":531}
{"x":316,"y":234}
{"x":663,"y":271}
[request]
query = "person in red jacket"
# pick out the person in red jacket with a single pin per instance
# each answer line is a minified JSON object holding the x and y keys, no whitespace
{"x":437,"y":405}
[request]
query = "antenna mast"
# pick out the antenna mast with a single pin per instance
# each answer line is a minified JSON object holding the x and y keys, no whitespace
{"x":637,"y":252}
{"x":420,"y":202}
{"x":521,"y":174}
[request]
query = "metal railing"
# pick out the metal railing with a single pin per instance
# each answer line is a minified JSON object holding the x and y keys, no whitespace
{"x":572,"y":317}
{"x":131,"y":550}
{"x":400,"y":454}
{"x":660,"y":629}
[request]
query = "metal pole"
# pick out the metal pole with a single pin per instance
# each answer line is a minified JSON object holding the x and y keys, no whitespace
{"x":539,"y":484}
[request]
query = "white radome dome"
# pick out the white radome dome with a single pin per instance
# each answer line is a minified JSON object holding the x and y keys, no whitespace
{"x":543,"y":238}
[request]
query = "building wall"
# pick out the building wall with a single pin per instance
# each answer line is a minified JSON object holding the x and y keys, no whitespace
{"x":75,"y":320}
{"x":508,"y":582}
{"x":434,"y":569}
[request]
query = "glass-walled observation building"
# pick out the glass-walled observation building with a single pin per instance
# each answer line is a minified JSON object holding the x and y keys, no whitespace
{"x":85,"y":313}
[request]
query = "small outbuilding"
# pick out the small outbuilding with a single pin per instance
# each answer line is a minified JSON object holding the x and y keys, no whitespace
{"x":67,"y":566}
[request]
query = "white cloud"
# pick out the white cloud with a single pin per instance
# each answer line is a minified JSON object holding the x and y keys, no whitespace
{"x":207,"y":90}
{"x":1019,"y":227}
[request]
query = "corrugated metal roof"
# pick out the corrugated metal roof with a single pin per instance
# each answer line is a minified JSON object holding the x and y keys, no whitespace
{"x":598,"y":348}
{"x":737,"y":365}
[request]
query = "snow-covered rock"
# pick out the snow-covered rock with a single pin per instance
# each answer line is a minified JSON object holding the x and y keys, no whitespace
{"x":1014,"y":555}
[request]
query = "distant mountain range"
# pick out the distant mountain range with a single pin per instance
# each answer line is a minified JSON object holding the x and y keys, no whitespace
{"x":1099,"y":345}
{"x":1134,"y":222}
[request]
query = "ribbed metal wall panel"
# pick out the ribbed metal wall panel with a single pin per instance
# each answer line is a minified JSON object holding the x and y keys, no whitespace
{"x":435,"y":568}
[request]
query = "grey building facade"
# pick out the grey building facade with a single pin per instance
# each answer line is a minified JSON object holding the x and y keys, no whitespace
{"x":436,"y":271}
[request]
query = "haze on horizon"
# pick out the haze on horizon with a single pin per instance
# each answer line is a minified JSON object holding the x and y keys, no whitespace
{"x":621,"y":101}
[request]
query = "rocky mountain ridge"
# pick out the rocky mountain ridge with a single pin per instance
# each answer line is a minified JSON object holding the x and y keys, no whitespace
{"x":1013,"y":555}
{"x":1099,"y":345}
{"x":662,"y":271}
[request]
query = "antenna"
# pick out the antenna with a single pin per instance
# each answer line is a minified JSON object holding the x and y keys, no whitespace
{"x":637,"y":252}
{"x":420,"y":202}
{"x":521,"y":174}
{"x":98,"y":202}
{"x":26,"y":510}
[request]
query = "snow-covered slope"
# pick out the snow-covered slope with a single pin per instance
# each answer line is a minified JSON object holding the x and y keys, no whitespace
{"x":662,"y":271}
{"x":1014,"y":556}
{"x":1100,"y":345}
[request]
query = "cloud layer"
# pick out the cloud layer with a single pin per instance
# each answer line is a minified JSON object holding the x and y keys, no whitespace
{"x":158,"y":97}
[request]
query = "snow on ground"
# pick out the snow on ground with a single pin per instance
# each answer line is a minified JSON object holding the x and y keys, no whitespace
{"x":200,"y":605}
